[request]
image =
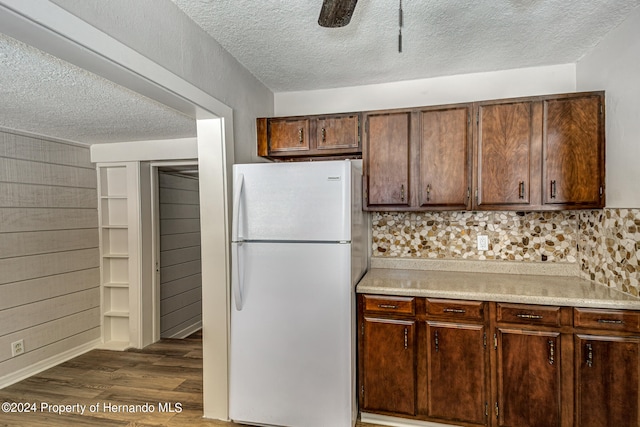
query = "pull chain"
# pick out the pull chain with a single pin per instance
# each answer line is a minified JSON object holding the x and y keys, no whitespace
{"x":400,"y":24}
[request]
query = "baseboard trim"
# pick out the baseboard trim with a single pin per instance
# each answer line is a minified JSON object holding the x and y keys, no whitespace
{"x":399,"y":422}
{"x":47,"y":363}
{"x":187,"y":331}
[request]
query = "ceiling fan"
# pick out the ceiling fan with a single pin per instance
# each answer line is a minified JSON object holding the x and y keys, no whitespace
{"x":336,"y":13}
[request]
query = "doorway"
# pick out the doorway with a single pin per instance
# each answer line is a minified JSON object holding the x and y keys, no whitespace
{"x":177,"y":250}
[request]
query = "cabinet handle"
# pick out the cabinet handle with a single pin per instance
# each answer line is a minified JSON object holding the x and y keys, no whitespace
{"x":391,"y":306}
{"x":429,"y":193}
{"x":553,"y":189}
{"x":300,"y":136}
{"x":402,"y":193}
{"x":529,"y":316}
{"x":455,"y":310}
{"x":324,"y":135}
{"x":552,"y":350}
{"x":406,"y":338}
{"x":521,"y":190}
{"x":437,"y":342}
{"x":589,"y":355}
{"x":611,"y":321}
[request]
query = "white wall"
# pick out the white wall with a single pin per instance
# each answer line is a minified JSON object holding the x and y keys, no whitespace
{"x":435,"y":91}
{"x":614,"y":65}
{"x":166,"y":149}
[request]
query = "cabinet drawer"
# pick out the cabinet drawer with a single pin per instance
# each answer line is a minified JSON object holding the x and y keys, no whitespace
{"x":456,"y":309}
{"x":528,"y":314}
{"x":613,"y":320}
{"x":391,"y":305}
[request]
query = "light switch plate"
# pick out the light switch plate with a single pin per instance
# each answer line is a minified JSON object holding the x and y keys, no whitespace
{"x":483,"y":243}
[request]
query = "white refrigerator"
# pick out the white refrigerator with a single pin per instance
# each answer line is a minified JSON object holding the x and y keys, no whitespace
{"x":298,"y":249}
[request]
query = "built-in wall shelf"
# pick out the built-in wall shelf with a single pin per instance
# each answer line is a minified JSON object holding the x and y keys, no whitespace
{"x":118,"y":243}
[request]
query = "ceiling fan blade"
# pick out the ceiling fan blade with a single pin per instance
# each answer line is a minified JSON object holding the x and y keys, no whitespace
{"x":336,"y":13}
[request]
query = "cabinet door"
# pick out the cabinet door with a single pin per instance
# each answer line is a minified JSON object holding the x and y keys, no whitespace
{"x":387,"y":159}
{"x":456,"y":372}
{"x":528,"y":374}
{"x":504,"y":154}
{"x":286,"y":135}
{"x":573,"y":151}
{"x":337,"y":133}
{"x":607,"y":380}
{"x":444,"y":158}
{"x":389,"y":371}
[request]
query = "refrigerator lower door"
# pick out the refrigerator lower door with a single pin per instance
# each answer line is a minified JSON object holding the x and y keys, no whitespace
{"x":292,"y":356}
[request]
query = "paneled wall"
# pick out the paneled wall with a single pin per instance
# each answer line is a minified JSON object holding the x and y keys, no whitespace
{"x":49,"y":259}
{"x":180,"y":269}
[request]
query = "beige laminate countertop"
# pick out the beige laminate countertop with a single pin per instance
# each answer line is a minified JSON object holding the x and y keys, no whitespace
{"x":570,"y":291}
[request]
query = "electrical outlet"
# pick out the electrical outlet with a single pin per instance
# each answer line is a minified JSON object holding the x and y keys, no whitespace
{"x":17,"y":348}
{"x":483,"y":243}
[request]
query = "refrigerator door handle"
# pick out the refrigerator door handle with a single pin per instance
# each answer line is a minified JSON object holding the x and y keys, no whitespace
{"x":237,"y":193}
{"x":237,"y":276}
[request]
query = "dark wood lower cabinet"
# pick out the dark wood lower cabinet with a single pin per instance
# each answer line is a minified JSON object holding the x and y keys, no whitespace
{"x":529,"y":378}
{"x":607,"y":381}
{"x":389,"y":365}
{"x":456,"y":372}
{"x":473,"y":364}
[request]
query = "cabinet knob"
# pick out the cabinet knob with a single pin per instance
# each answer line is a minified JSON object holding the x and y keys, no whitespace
{"x":324,"y":135}
{"x":589,"y":361}
{"x":402,"y":193}
{"x":300,"y":136}
{"x":521,"y":190}
{"x":552,"y":351}
{"x":428,"y":192}
{"x":553,"y":189}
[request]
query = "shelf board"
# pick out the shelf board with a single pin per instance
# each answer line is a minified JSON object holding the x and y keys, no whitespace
{"x":114,"y":197}
{"x":115,"y":255}
{"x":116,"y":285}
{"x":121,"y":226}
{"x":116,"y":314}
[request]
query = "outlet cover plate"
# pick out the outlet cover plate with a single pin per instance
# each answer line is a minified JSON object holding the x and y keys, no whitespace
{"x":483,"y":243}
{"x":17,"y":348}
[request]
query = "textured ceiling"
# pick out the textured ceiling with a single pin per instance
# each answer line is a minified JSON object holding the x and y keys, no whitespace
{"x":44,"y":95}
{"x":280,"y":42}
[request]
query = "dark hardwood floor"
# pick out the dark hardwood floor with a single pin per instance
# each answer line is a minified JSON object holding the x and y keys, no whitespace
{"x":166,"y":375}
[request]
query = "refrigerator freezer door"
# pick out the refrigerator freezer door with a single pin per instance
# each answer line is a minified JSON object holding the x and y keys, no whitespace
{"x":292,"y":359}
{"x":305,"y":201}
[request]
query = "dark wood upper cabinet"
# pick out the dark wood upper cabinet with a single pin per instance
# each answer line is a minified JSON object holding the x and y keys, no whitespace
{"x":306,"y":137}
{"x":540,"y":153}
{"x":338,"y":133}
{"x":386,"y":153}
{"x":535,"y":153}
{"x":418,"y":159}
{"x":505,"y":154}
{"x":573,"y":144}
{"x":444,"y":168}
{"x":288,"y":135}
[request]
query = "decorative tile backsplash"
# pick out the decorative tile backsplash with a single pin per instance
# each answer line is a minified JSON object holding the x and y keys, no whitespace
{"x":513,"y":236}
{"x":604,"y":243}
{"x":609,"y":243}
